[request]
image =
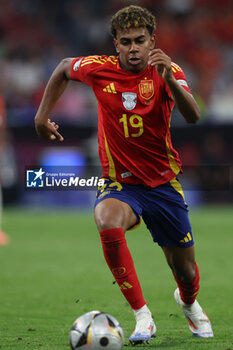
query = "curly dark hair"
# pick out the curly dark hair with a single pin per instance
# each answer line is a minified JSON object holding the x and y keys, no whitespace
{"x":132,"y":17}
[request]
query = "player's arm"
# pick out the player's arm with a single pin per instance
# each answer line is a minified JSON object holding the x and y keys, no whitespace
{"x":56,"y":86}
{"x":184,"y":100}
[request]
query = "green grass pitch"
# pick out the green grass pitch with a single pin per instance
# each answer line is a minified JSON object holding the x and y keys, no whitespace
{"x":53,"y":271}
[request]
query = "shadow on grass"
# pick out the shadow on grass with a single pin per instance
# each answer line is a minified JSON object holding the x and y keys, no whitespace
{"x":167,"y":342}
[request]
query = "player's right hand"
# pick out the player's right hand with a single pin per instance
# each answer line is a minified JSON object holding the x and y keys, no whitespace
{"x":48,"y":130}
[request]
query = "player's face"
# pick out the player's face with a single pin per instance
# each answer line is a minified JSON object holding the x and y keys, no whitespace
{"x":133,"y":46}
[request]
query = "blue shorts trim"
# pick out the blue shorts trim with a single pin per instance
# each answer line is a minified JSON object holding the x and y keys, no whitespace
{"x":162,"y":208}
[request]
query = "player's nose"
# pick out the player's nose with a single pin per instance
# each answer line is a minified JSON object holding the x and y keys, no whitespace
{"x":133,"y":47}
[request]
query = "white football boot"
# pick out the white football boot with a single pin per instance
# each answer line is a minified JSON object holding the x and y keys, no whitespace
{"x":145,"y":328}
{"x":199,"y":323}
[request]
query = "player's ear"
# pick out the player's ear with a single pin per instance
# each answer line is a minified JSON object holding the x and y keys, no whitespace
{"x":116,"y":45}
{"x":152,"y":41}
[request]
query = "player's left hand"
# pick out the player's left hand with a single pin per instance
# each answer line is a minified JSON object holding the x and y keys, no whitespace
{"x":162,"y":63}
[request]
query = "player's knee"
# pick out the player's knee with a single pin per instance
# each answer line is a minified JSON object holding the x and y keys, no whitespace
{"x":106,"y":220}
{"x":105,"y":223}
{"x":109,"y":216}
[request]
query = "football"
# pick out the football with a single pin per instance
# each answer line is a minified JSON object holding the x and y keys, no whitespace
{"x":96,"y":330}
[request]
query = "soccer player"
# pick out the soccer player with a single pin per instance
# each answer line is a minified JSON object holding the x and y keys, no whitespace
{"x":136,"y":92}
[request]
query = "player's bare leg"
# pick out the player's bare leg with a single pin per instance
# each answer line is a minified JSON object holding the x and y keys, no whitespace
{"x":113,"y":217}
{"x":182,"y":262}
{"x":186,"y":273}
{"x":111,"y":213}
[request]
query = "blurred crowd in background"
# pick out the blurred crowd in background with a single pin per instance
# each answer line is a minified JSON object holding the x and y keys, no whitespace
{"x":36,"y":35}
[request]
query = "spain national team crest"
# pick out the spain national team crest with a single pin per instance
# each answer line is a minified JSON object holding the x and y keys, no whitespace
{"x":129,"y":100}
{"x":146,"y":89}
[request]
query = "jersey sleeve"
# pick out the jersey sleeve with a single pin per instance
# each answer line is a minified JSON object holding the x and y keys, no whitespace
{"x":180,"y":77}
{"x":84,"y":68}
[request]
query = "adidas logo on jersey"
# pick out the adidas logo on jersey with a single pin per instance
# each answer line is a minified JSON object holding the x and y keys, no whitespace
{"x":187,"y":238}
{"x":110,"y":88}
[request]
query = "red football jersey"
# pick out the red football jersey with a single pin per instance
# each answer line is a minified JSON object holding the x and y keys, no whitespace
{"x":134,"y":112}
